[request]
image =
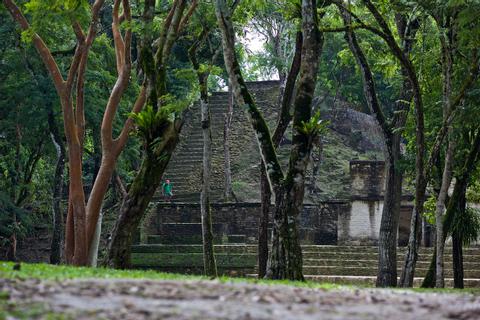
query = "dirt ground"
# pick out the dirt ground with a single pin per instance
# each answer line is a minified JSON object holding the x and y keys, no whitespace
{"x":144,"y":299}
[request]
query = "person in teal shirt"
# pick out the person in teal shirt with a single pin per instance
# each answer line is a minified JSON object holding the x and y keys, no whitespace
{"x":167,"y":189}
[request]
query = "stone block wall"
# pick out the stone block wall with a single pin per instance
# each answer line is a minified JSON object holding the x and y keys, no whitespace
{"x":317,"y":223}
{"x":367,"y":179}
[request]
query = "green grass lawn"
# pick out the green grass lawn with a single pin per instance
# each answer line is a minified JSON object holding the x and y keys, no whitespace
{"x":62,"y":272}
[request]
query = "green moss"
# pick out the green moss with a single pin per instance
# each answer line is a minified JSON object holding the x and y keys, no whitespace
{"x":191,"y":260}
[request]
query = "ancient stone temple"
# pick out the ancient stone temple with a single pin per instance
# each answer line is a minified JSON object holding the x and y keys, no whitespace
{"x":351,"y":215}
{"x":340,"y":222}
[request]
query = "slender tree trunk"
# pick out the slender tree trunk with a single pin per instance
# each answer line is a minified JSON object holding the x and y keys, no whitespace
{"x":387,"y":241}
{"x":285,"y":259}
{"x":210,"y":266}
{"x":266,"y":195}
{"x":447,"y":65}
{"x":457,"y":256}
{"x":457,"y":244}
{"x":93,"y":250}
{"x":58,"y":224}
{"x":455,"y":203}
{"x":228,"y":192}
{"x":139,"y":195}
{"x":287,"y":88}
{"x":440,"y":208}
{"x":15,"y":181}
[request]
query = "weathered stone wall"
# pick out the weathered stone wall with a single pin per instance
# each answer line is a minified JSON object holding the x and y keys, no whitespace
{"x":185,"y":166}
{"x":317,"y":223}
{"x":367,"y":179}
{"x":361,"y":224}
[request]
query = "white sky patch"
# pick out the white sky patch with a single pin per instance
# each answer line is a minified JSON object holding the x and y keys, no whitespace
{"x":253,"y":41}
{"x":254,"y":44}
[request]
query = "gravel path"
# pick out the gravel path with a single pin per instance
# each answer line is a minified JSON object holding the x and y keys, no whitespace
{"x":144,"y":299}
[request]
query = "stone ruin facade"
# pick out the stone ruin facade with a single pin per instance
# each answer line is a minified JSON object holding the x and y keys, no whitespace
{"x":335,"y":222}
{"x":351,"y":220}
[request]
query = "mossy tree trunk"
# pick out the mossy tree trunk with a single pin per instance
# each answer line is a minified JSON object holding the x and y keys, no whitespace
{"x":284,"y":119}
{"x":138,"y":197}
{"x":162,"y":138}
{"x":83,"y":212}
{"x":58,"y":223}
{"x":265,"y":198}
{"x":285,"y":259}
{"x":387,"y":263}
{"x":209,"y":264}
{"x":456,"y":204}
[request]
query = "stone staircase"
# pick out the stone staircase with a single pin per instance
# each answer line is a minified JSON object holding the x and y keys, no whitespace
{"x":184,"y":169}
{"x":333,"y":264}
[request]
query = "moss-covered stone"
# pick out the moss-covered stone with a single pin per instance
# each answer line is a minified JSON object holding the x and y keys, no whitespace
{"x":190,"y":260}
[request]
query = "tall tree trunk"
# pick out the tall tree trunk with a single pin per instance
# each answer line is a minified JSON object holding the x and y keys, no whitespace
{"x":95,"y":244}
{"x":287,"y":87}
{"x":388,"y":236}
{"x":387,"y":242}
{"x":210,"y":266}
{"x":139,"y":195}
{"x":447,"y":66}
{"x":58,"y":224}
{"x":285,"y":258}
{"x":457,"y":243}
{"x":228,"y":191}
{"x":455,"y":203}
{"x":440,"y":208}
{"x":265,"y":194}
{"x":457,"y":257}
{"x":97,"y":160}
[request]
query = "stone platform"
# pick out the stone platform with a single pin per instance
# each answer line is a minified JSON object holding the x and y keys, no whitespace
{"x":334,"y":264}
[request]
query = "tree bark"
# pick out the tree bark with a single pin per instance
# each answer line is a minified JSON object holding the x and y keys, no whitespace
{"x":210,"y":266}
{"x":82,"y":217}
{"x":387,"y":242}
{"x":285,"y":259}
{"x":265,"y":194}
{"x":93,"y":250}
{"x":455,"y":203}
{"x":457,"y":257}
{"x":439,"y":211}
{"x":154,"y":67}
{"x":285,"y":102}
{"x":58,"y":224}
{"x":139,"y":195}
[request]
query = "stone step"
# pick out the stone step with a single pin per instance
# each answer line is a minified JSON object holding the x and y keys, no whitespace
{"x":310,"y":259}
{"x":374,"y":249}
{"x":180,"y":248}
{"x":342,"y":251}
{"x":370,"y":280}
{"x":224,"y":260}
{"x":372,"y":271}
{"x":471,"y":265}
{"x":374,"y":256}
{"x":190,"y":239}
